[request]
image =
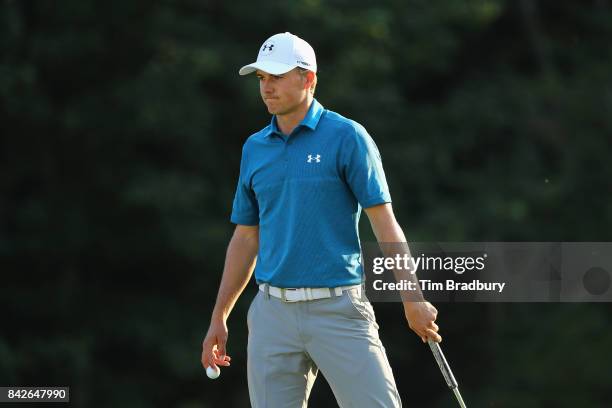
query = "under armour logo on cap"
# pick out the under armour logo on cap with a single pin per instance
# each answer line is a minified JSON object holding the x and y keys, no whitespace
{"x":267,"y":48}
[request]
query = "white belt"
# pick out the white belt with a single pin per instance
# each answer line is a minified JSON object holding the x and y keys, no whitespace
{"x":302,"y":294}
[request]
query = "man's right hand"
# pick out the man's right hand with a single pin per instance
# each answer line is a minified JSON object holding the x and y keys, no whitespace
{"x":213,"y":346}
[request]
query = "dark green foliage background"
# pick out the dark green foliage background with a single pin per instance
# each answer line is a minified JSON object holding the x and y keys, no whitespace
{"x":122,"y":124}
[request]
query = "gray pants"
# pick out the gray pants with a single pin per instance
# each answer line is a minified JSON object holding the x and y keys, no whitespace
{"x":290,"y":342}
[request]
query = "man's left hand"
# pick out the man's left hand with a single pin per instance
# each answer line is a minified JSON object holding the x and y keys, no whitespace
{"x":421,"y":318}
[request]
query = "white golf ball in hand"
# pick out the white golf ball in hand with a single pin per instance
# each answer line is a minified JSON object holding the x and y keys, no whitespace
{"x":213,"y":373}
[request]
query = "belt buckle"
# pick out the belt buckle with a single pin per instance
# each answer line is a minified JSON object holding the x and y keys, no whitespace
{"x":284,"y":295}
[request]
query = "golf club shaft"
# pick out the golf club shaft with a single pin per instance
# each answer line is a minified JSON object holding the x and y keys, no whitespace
{"x":458,"y":396}
{"x":446,"y":371}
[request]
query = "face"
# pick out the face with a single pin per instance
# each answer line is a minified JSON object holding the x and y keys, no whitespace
{"x":283,"y":94}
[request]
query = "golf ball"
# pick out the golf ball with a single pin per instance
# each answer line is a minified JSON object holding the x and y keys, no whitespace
{"x":213,"y":373}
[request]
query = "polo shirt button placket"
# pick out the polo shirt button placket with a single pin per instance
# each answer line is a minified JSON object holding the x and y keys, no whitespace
{"x":286,"y":153}
{"x":285,"y":159}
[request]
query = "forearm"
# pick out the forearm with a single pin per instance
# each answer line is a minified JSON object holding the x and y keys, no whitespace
{"x":239,"y":264}
{"x":419,"y":313}
{"x":392,"y":242}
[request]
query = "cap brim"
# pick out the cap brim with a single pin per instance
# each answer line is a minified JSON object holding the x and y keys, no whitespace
{"x":271,"y":67}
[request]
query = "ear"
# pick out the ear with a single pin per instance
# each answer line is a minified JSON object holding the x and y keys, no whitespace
{"x":309,"y":79}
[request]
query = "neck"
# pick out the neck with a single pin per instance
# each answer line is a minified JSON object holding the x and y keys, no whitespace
{"x":288,"y":121}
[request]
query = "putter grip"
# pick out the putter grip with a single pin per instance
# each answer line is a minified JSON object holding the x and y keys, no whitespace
{"x":444,"y":367}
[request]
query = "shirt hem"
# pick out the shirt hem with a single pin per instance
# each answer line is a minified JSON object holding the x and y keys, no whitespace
{"x":376,"y":201}
{"x":243,"y":221}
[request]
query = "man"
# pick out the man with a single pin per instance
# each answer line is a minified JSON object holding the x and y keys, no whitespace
{"x":303,"y":181}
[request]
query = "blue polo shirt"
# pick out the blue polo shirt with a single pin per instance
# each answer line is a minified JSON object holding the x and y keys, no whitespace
{"x":306,"y":191}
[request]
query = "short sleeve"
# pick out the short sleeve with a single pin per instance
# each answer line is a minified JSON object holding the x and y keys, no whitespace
{"x":363,"y":170}
{"x":245,"y":210}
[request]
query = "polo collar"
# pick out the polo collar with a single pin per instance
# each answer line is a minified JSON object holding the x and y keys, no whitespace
{"x":311,"y":120}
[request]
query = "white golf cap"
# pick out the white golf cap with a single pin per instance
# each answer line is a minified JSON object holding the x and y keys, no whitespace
{"x":281,"y":53}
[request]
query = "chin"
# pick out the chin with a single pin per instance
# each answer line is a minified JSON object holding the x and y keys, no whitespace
{"x":268,"y":107}
{"x":273,"y":111}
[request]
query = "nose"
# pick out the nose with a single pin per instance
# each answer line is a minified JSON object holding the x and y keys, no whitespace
{"x":266,"y":87}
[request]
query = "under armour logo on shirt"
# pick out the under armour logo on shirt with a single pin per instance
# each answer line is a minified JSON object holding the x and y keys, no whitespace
{"x":316,"y":158}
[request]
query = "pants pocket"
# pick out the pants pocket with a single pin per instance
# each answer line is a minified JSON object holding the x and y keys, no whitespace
{"x":250,"y":311}
{"x":364,"y":308}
